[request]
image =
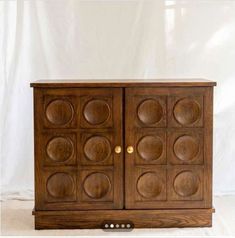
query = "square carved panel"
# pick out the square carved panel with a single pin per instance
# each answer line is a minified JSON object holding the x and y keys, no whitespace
{"x":150,"y":111}
{"x":150,"y":183}
{"x":185,"y":146}
{"x":59,"y":149}
{"x":96,"y":148}
{"x":60,"y":111}
{"x":185,"y":183}
{"x":185,"y":111}
{"x":97,"y":185}
{"x":150,"y":146}
{"x":96,"y":112}
{"x":60,"y":185}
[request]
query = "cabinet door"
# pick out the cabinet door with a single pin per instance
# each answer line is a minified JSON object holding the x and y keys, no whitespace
{"x":76,"y":132}
{"x":170,"y":130}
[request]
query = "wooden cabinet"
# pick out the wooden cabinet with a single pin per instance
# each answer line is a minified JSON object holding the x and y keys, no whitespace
{"x":130,"y":152}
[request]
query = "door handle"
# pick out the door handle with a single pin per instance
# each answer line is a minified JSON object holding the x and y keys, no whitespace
{"x":130,"y":149}
{"x":118,"y":149}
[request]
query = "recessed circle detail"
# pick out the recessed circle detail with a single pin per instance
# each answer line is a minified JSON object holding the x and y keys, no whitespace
{"x":187,"y":111}
{"x":149,"y":185}
{"x":150,"y":147}
{"x":150,"y":111}
{"x":97,"y":148}
{"x":97,"y":185}
{"x":60,"y":185}
{"x":186,"y":183}
{"x":59,"y":149}
{"x":59,"y":112}
{"x":96,"y":111}
{"x":186,"y":147}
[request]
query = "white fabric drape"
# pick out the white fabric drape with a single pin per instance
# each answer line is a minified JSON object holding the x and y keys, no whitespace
{"x":109,"y":39}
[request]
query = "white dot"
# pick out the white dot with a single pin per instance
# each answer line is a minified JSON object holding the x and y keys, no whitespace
{"x":123,"y":225}
{"x":128,"y":225}
{"x":117,"y":225}
{"x":111,"y":225}
{"x":106,"y":225}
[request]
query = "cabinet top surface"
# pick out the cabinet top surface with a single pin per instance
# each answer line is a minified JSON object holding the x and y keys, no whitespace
{"x":124,"y":83}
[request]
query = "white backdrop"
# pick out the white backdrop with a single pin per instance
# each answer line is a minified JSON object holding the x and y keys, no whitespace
{"x":110,"y":40}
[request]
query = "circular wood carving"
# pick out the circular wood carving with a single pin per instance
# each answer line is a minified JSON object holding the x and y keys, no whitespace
{"x":97,"y":148}
{"x":96,"y":112}
{"x":59,"y":112}
{"x":149,"y":185}
{"x":186,"y":183}
{"x":150,"y":147}
{"x":60,"y":149}
{"x":60,"y":185}
{"x":186,"y":147}
{"x":150,"y":111}
{"x":187,"y":111}
{"x":96,"y":185}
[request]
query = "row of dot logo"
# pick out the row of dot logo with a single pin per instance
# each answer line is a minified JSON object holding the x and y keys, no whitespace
{"x":114,"y":225}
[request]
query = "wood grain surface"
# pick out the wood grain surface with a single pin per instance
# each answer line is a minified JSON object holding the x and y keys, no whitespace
{"x":139,"y":218}
{"x":123,"y":83}
{"x":123,"y":150}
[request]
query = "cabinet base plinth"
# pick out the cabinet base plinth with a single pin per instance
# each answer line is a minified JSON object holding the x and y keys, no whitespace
{"x":139,"y":218}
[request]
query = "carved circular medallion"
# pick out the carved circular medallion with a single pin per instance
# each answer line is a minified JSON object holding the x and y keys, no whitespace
{"x":60,"y":185}
{"x":186,"y":147}
{"x":59,"y":149}
{"x":97,"y":148}
{"x":150,"y":112}
{"x":59,"y":112}
{"x":187,"y":111}
{"x":150,"y":147}
{"x":96,"y":185}
{"x":186,"y":183}
{"x":149,"y":185}
{"x":96,"y":111}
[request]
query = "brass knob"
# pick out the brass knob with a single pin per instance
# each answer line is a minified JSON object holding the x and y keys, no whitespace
{"x":118,"y":149}
{"x":130,"y":149}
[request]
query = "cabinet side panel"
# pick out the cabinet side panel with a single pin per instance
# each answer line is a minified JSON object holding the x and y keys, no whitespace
{"x":208,"y":145}
{"x":37,"y":138}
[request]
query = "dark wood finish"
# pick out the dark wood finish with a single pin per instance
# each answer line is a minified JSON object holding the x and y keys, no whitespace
{"x":173,"y":144}
{"x":139,"y":218}
{"x":76,"y":131}
{"x":122,"y":83}
{"x":83,"y":137}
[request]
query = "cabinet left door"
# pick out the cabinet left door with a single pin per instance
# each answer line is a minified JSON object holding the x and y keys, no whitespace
{"x":76,"y":132}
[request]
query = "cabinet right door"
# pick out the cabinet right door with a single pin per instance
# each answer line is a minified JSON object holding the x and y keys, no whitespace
{"x":168,"y":138}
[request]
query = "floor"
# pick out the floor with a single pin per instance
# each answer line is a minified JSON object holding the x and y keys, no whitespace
{"x":17,"y":219}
